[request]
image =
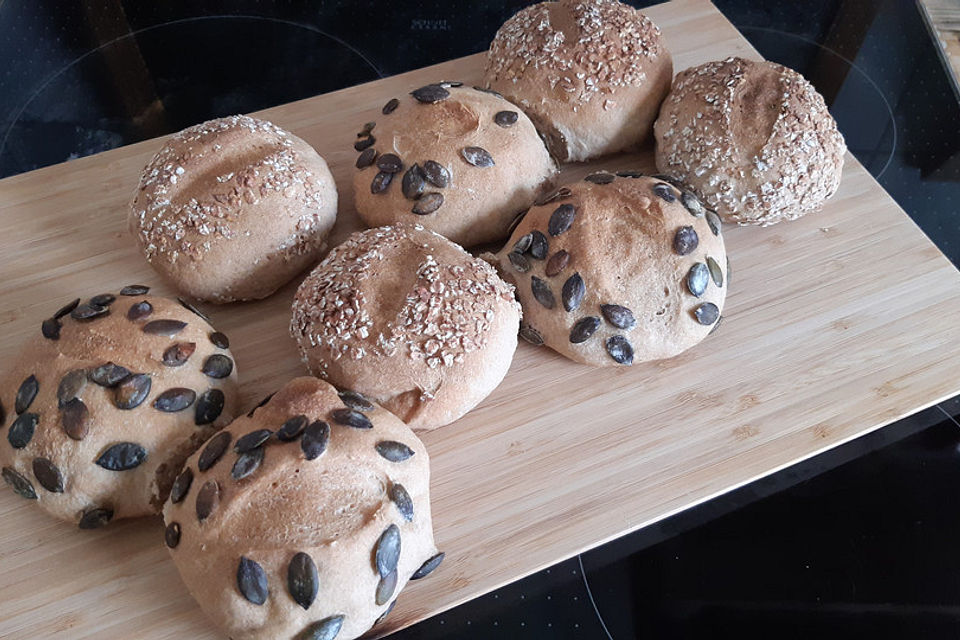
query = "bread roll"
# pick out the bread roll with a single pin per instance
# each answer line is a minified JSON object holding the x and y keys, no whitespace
{"x":303,"y":519}
{"x":618,"y":269}
{"x":106,"y":401}
{"x":459,"y":161}
{"x":410,"y":319}
{"x":590,"y":74}
{"x":753,"y":139}
{"x":233,"y":208}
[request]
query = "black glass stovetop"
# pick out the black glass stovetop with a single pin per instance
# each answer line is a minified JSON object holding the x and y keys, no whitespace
{"x":858,"y":542}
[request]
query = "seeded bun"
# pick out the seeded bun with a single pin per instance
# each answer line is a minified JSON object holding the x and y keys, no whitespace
{"x":233,"y":208}
{"x":460,"y":161}
{"x":107,"y":400}
{"x":753,"y":139}
{"x":590,"y":74}
{"x":305,"y":518}
{"x":411,"y":320}
{"x":608,"y":270}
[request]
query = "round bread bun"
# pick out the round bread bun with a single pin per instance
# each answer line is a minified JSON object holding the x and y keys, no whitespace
{"x":305,"y":518}
{"x":618,"y":269}
{"x":590,"y":74}
{"x":107,"y":400}
{"x":411,"y":320}
{"x":233,"y":208}
{"x":753,"y":139}
{"x":460,"y":161}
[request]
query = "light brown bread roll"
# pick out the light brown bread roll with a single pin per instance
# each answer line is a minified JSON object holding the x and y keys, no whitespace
{"x":305,"y":518}
{"x":590,"y":74}
{"x":753,"y":139}
{"x":618,"y":269}
{"x":107,"y":400}
{"x":411,"y":320}
{"x":460,"y":161}
{"x":233,"y":208}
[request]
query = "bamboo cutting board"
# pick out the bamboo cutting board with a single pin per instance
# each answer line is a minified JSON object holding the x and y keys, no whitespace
{"x":835,"y":324}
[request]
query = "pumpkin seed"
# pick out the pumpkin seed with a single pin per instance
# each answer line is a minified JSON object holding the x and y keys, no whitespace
{"x":387,"y":550}
{"x":216,"y":447}
{"x":506,"y":118}
{"x":252,"y":440}
{"x":20,"y":485}
{"x":50,"y":329}
{"x":87,"y":311}
{"x":390,"y":163}
{"x":326,"y":629}
{"x":171,"y":535}
{"x":135,"y":290}
{"x":218,"y":366}
{"x":430,"y":94}
{"x":713,"y":220}
{"x":95,"y":518}
{"x":400,"y":497}
{"x":547,"y":198}
{"x":247,"y":463}
{"x":108,"y":374}
{"x":541,"y":292}
{"x":356,"y":400}
{"x":122,"y":456}
{"x":71,"y":385}
{"x":315,"y":439}
{"x":539,"y":245}
{"x":692,"y":204}
{"x":685,"y":240}
{"x":428,"y":204}
{"x":103,"y":300}
{"x":66,"y":309}
{"x":523,"y":243}
{"x":208,"y":499}
{"x":351,"y":418}
{"x":380,"y":182}
{"x":600,"y":177}
{"x":664,"y":191}
{"x":139,"y":310}
{"x":26,"y":394}
{"x":48,"y":475}
{"x":194,"y":310}
{"x":181,"y":486}
{"x":519,"y":261}
{"x":629,"y":173}
{"x":583,"y":329}
{"x":561,"y":219}
{"x":707,"y":313}
{"x":209,"y":407}
{"x":164,"y":327}
{"x":573,"y":291}
{"x":477,"y":156}
{"x":367,"y":128}
{"x":390,"y":107}
{"x":428,"y":567}
{"x":302,"y":579}
{"x":178,"y":353}
{"x":697,"y":279}
{"x":252,"y":581}
{"x":132,"y":391}
{"x":715,"y":272}
{"x":394,"y":451}
{"x":557,"y":263}
{"x":413,"y":182}
{"x":366,"y":158}
{"x":620,"y":349}
{"x":21,"y":431}
{"x":292,"y":428}
{"x":173,"y":400}
{"x":364,"y":143}
{"x":619,"y":316}
{"x":531,"y":335}
{"x":220,"y":340}
{"x":436,"y":174}
{"x":386,"y":587}
{"x":73,"y":419}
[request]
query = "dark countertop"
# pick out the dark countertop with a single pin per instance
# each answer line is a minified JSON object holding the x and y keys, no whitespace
{"x":857,"y":542}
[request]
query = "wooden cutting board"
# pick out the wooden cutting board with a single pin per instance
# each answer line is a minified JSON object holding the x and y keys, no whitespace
{"x":835,"y":325}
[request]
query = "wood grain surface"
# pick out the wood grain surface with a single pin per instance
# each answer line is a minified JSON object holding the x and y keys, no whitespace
{"x":835,"y":324}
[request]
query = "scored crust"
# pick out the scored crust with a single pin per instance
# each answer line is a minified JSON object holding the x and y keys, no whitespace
{"x":87,"y":460}
{"x":590,"y":74}
{"x":754,"y":139}
{"x":303,"y":508}
{"x":411,"y":320}
{"x":232,"y":208}
{"x":469,"y":201}
{"x":602,"y":270}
